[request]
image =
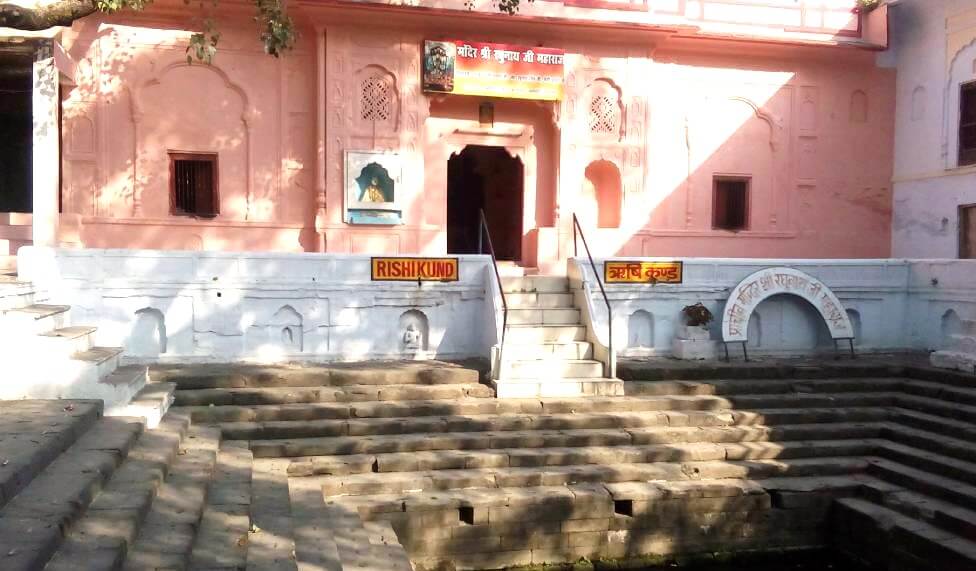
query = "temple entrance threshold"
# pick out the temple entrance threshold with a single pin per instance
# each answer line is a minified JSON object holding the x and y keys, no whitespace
{"x":485,"y":177}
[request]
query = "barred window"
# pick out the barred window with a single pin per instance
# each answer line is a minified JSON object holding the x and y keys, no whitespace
{"x":730,"y":204}
{"x":193,"y":184}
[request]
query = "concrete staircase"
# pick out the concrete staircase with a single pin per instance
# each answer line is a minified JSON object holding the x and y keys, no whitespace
{"x":961,"y":351}
{"x":675,"y":467}
{"x":45,"y":356}
{"x":546,"y":351}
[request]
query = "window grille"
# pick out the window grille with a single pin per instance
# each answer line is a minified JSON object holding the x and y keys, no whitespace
{"x":193,"y":184}
{"x":730,"y":205}
{"x":967,"y":124}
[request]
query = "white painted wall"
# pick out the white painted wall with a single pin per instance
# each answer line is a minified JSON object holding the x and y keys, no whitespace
{"x":897,"y":304}
{"x":934,"y":49}
{"x":221,"y":306}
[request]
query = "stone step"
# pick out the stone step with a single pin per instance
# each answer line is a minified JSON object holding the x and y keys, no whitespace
{"x":271,"y":545}
{"x":954,"y":360}
{"x":551,"y":369}
{"x":35,"y":433}
{"x":347,"y":394}
{"x":959,"y":448}
{"x":929,"y":461}
{"x":115,"y":388}
{"x":552,"y":386}
{"x":764,"y":386}
{"x":67,"y":340}
{"x":940,"y":391}
{"x":800,"y":400}
{"x":109,"y":527}
{"x":15,"y":294}
{"x":660,"y":412}
{"x":222,"y":538}
{"x":884,"y":536}
{"x":722,"y":429}
{"x":151,"y":403}
{"x":586,"y":455}
{"x":337,"y":375}
{"x":950,"y":517}
{"x":939,"y":487}
{"x":431,"y":480}
{"x":537,"y":334}
{"x":933,"y":423}
{"x":165,"y":539}
{"x":962,"y":344}
{"x":569,"y":350}
{"x":34,"y":319}
{"x":939,"y":407}
{"x":32,"y":523}
{"x":539,"y":300}
{"x":535,"y":284}
{"x":104,"y":359}
{"x":533,"y":316}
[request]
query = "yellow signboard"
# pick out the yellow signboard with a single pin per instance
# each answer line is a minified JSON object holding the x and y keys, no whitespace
{"x":415,"y":269}
{"x":493,"y":70}
{"x":637,"y":272}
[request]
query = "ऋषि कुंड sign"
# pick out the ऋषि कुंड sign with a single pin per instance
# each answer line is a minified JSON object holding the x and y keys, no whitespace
{"x":637,"y":272}
{"x":414,"y":269}
{"x":493,"y":70}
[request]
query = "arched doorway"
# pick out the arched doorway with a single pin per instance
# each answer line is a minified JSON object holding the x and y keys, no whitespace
{"x":488,"y":178}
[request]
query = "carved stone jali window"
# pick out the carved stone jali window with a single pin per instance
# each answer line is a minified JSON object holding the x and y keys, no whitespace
{"x":376,"y":98}
{"x":604,"y":115}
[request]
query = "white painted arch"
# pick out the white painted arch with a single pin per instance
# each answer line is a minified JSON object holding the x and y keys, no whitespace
{"x":768,"y":282}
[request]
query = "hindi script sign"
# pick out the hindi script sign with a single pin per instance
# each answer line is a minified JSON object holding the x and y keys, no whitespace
{"x":637,"y":272}
{"x":773,"y":281}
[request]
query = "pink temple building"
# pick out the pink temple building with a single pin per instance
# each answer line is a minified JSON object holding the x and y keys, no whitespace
{"x":741,"y":128}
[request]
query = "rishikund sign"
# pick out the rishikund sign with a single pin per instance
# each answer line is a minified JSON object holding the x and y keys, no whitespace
{"x":638,"y":272}
{"x":493,"y":70}
{"x":415,"y":269}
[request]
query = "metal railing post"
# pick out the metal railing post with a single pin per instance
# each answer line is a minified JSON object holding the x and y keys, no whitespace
{"x":578,"y":228}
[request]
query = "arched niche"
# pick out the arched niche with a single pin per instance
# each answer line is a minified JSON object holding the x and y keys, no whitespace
{"x":961,"y":71}
{"x":604,"y":185}
{"x":640,"y":330}
{"x":769,"y":282}
{"x":414,"y":331}
{"x":951,"y":324}
{"x":148,"y":338}
{"x":288,"y":324}
{"x":855,"y":317}
{"x":754,"y":330}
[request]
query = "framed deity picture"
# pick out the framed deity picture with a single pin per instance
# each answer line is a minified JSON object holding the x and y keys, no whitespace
{"x":372,"y":188}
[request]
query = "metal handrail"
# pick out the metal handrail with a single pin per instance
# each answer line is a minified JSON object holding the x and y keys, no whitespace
{"x":483,"y":232}
{"x":578,"y":230}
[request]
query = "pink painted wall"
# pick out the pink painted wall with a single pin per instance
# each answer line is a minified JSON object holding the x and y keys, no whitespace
{"x":810,"y":125}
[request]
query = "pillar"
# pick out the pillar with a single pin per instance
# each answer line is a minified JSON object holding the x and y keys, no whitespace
{"x":46,"y":156}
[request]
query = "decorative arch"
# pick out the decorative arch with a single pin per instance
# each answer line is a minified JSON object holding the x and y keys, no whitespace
{"x":960,"y":70}
{"x":289,"y":323}
{"x":771,"y":120}
{"x":604,"y":181}
{"x":768,"y":282}
{"x":247,"y":112}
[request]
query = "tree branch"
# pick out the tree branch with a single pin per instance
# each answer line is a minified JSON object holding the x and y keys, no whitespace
{"x":61,"y":13}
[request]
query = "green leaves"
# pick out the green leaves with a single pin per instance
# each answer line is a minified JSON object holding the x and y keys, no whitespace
{"x":278,"y":30}
{"x":203,"y":45}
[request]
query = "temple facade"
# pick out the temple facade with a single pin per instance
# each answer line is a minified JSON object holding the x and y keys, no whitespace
{"x":732,"y":128}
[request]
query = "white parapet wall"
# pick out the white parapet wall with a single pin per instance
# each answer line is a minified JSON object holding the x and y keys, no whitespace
{"x":230,"y":306}
{"x":894,"y":304}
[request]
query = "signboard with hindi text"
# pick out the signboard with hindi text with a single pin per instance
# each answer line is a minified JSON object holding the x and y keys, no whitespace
{"x":414,"y":269}
{"x":493,"y":70}
{"x":638,"y":272}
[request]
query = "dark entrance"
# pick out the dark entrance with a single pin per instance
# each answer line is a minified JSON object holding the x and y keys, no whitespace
{"x":16,"y":136}
{"x":485,"y":178}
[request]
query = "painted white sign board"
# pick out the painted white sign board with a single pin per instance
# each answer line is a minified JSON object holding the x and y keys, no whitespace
{"x":777,"y":281}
